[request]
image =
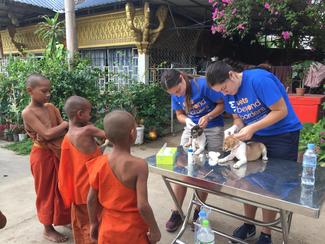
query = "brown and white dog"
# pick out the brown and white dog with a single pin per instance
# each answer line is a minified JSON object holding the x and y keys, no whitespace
{"x":244,"y":152}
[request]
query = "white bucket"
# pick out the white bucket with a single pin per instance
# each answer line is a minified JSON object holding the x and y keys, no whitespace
{"x":22,"y":137}
{"x":140,"y":133}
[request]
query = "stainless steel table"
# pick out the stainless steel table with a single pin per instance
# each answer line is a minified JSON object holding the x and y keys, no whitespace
{"x":274,"y":185}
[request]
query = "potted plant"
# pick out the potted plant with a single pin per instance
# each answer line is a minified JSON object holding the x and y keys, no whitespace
{"x":14,"y":128}
{"x":21,"y":133}
{"x":9,"y":135}
{"x":299,"y":71}
{"x":140,"y":131}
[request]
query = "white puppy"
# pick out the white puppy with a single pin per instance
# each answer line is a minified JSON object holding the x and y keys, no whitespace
{"x":244,"y":152}
{"x":197,"y":140}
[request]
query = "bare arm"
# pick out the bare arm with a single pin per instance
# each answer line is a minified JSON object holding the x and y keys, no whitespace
{"x":278,"y":111}
{"x":48,"y":134}
{"x":219,"y":108}
{"x":143,"y":204}
{"x":92,"y":130}
{"x":181,"y":116}
{"x":238,"y":121}
{"x":93,"y":211}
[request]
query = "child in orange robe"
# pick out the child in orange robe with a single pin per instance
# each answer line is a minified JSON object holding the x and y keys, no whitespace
{"x":78,"y":147}
{"x":44,"y":124}
{"x":119,"y":185}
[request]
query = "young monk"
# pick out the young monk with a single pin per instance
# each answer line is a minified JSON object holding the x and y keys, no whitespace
{"x":3,"y":220}
{"x":78,"y":147}
{"x":45,"y":126}
{"x":119,"y":184}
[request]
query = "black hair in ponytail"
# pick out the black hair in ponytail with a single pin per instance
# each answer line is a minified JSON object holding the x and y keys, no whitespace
{"x":172,"y":77}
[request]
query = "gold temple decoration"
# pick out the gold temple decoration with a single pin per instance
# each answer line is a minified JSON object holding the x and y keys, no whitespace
{"x":145,"y":36}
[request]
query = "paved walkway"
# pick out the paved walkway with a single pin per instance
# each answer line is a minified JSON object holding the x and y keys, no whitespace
{"x":17,"y":201}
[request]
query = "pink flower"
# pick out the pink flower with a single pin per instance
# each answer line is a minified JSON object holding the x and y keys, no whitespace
{"x":221,"y":13}
{"x":286,"y":35}
{"x":234,"y":11}
{"x":227,"y":1}
{"x":267,"y":6}
{"x":215,"y":13}
{"x":241,"y":27}
{"x":211,"y":1}
{"x":213,"y":29}
{"x":220,"y":28}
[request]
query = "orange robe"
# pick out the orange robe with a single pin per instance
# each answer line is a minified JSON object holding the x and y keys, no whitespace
{"x":121,"y":221}
{"x":74,"y":187}
{"x":44,"y":162}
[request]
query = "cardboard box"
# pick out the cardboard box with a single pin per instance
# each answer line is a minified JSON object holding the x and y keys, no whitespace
{"x":166,"y":157}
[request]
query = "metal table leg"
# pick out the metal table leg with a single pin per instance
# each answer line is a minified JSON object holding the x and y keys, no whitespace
{"x":285,"y":224}
{"x":185,"y":221}
{"x":281,"y":224}
{"x":171,"y":192}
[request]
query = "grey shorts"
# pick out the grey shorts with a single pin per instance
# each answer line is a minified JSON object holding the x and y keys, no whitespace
{"x":214,"y":137}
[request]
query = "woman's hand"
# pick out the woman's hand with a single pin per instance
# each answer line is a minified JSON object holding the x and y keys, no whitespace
{"x":245,"y":133}
{"x":203,"y":122}
{"x":189,"y":123}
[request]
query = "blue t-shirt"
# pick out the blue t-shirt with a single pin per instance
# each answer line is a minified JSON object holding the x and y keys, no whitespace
{"x":258,"y":91}
{"x":203,"y":101}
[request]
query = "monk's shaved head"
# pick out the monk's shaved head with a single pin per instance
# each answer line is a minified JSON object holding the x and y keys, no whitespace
{"x":75,"y":104}
{"x":118,"y":125}
{"x":34,"y":80}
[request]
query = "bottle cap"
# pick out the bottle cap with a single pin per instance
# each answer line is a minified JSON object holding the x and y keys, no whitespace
{"x":190,"y":150}
{"x":202,"y":214}
{"x":205,"y":223}
{"x":310,"y":146}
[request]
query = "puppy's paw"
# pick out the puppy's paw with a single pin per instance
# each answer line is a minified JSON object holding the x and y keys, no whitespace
{"x":187,"y":144}
{"x":236,"y":166}
{"x":265,"y":159}
{"x":222,"y":161}
{"x":239,"y":164}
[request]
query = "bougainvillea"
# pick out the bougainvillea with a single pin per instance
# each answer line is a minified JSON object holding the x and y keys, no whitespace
{"x":292,"y":22}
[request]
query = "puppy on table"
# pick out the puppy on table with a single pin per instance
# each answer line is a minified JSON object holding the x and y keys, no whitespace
{"x":244,"y":152}
{"x":198,"y":142}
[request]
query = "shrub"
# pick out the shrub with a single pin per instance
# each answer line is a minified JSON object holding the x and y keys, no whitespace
{"x":81,"y":79}
{"x":314,"y":133}
{"x":149,"y":103}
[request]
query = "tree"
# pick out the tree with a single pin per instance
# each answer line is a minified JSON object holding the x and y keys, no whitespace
{"x":285,"y":23}
{"x":51,"y":30}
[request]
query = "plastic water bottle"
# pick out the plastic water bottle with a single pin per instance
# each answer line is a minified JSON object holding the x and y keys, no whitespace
{"x":190,"y":163}
{"x":307,"y":195}
{"x":205,"y":234}
{"x":309,"y":166}
{"x":199,"y":221}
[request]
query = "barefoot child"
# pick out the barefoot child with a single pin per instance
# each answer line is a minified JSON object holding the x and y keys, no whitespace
{"x":44,"y":125}
{"x":78,"y":147}
{"x":119,"y":184}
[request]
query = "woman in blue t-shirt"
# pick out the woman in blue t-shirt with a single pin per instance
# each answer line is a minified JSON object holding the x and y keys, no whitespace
{"x":262,"y":112}
{"x":194,"y":103}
